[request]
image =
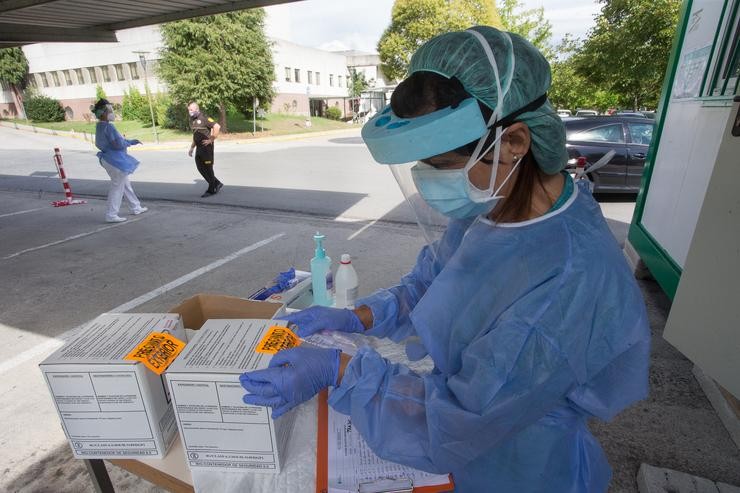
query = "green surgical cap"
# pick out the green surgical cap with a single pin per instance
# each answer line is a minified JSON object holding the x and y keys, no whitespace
{"x":524,"y":76}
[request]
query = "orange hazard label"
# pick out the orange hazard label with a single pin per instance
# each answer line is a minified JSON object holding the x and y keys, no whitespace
{"x":157,"y":351}
{"x":276,"y":339}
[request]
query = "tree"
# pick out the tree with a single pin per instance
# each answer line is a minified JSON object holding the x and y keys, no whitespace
{"x":218,"y":61}
{"x":100,"y":93}
{"x":14,"y":72}
{"x":413,"y":22}
{"x":627,"y":51}
{"x":529,"y":24}
{"x":569,"y":89}
{"x":358,"y":84}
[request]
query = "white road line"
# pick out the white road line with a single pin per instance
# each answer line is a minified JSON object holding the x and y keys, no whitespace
{"x":70,"y":238}
{"x":23,"y":212}
{"x":57,"y":342}
{"x":359,"y":231}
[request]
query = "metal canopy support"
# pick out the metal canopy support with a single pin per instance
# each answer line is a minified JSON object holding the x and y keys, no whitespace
{"x":15,"y":34}
{"x":188,"y":14}
{"x":20,"y":19}
{"x":10,"y":5}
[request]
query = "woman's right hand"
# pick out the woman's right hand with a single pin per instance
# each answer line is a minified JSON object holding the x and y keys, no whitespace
{"x":316,"y":318}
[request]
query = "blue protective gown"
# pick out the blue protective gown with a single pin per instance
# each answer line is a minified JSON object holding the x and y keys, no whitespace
{"x":533,"y":327}
{"x":113,"y":146}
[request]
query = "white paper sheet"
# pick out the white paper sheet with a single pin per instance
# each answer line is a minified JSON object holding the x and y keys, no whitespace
{"x":351,"y":461}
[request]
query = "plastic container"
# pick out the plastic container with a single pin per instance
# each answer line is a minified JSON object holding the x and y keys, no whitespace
{"x":321,"y":273}
{"x":345,"y":284}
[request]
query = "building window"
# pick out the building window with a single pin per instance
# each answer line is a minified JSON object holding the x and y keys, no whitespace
{"x":318,"y":78}
{"x":298,"y":75}
{"x":106,"y":73}
{"x":92,"y":75}
{"x":331,"y":80}
{"x":134,"y":70}
{"x":339,"y":80}
{"x":119,"y":72}
{"x":288,"y":73}
{"x":310,"y":77}
{"x":80,"y":77}
{"x":55,"y":78}
{"x":44,"y":80}
{"x":68,"y":77}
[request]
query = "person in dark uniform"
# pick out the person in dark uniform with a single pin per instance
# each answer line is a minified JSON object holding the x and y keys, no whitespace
{"x":205,"y":130}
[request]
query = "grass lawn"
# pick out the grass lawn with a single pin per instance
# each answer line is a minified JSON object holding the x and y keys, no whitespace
{"x":238,"y":126}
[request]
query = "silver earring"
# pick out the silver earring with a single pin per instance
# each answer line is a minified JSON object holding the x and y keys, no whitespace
{"x":516,"y":158}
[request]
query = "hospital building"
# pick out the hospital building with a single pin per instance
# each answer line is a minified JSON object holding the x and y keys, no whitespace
{"x":306,"y":79}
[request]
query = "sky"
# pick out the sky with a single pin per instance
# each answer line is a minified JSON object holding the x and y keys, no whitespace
{"x":358,"y":24}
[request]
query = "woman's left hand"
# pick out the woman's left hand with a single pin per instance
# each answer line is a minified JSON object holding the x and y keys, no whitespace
{"x":293,"y":376}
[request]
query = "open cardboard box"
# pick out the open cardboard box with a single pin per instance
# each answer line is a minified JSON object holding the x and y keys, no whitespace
{"x":201,"y":307}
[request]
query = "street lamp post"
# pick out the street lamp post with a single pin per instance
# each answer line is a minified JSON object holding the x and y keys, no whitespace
{"x":142,"y":59}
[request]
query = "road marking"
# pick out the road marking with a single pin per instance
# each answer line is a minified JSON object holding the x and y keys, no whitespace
{"x":58,"y":341}
{"x":23,"y":212}
{"x":359,"y":231}
{"x":70,"y":238}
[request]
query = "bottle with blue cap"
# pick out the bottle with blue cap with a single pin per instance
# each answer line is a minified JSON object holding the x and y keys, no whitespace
{"x":320,"y":271}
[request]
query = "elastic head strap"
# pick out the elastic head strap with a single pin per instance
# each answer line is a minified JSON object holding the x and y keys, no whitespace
{"x":509,"y":119}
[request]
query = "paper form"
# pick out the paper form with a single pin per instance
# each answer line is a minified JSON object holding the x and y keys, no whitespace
{"x":352,"y":462}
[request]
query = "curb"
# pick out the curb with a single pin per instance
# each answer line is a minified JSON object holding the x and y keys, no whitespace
{"x":173,"y":145}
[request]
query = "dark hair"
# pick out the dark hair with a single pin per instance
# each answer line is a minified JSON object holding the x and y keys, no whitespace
{"x":98,"y":108}
{"x":425,"y":92}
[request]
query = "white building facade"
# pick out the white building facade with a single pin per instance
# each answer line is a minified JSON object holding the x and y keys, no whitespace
{"x":306,"y":79}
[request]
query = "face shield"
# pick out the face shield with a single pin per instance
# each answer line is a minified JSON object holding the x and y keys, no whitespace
{"x":437,"y":193}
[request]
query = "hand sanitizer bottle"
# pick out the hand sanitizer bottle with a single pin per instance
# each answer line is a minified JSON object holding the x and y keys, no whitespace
{"x":345,"y":284}
{"x":320,"y":268}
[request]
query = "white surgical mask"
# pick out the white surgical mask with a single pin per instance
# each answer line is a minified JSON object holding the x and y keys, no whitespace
{"x":192,"y":113}
{"x":111,"y":116}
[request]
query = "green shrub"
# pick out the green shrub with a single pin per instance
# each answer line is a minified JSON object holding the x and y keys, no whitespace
{"x":135,"y":106}
{"x":100,"y":93}
{"x":334,"y":113}
{"x":176,"y":116}
{"x":44,"y":109}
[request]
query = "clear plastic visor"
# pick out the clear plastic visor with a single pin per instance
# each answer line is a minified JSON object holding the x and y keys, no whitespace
{"x":431,"y":222}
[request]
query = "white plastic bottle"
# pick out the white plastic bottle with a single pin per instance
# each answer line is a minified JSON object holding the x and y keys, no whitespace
{"x":345,"y":284}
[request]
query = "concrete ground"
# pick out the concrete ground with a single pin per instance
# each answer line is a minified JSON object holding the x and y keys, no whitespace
{"x":63,"y":266}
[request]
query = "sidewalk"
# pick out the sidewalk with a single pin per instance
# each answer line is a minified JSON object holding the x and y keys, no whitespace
{"x":178,"y":144}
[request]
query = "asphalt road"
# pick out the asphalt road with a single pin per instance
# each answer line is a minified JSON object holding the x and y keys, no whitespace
{"x":61,"y":267}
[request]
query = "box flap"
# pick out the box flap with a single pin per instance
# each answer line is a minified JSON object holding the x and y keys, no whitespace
{"x":201,"y":307}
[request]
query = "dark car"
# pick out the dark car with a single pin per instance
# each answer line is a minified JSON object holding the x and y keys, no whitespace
{"x":593,"y":137}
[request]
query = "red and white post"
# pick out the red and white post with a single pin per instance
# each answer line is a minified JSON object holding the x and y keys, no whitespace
{"x":63,"y":176}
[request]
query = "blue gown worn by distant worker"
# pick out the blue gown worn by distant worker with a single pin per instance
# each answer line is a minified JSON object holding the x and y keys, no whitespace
{"x":113,"y":147}
{"x":533,"y":327}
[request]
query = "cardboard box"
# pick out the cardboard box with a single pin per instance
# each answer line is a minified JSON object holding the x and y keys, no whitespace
{"x":201,"y":307}
{"x":111,"y":407}
{"x":219,"y":432}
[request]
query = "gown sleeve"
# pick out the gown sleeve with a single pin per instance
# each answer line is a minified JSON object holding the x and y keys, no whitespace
{"x":115,"y":139}
{"x":391,"y":307}
{"x":510,"y":377}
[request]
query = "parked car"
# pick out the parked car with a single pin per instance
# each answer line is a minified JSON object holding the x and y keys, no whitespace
{"x":587,"y":113}
{"x":564,"y":113}
{"x":637,"y":114}
{"x":593,"y":137}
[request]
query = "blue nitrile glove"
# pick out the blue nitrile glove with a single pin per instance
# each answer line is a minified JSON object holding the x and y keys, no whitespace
{"x":293,"y":376}
{"x":318,"y":318}
{"x":134,"y":142}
